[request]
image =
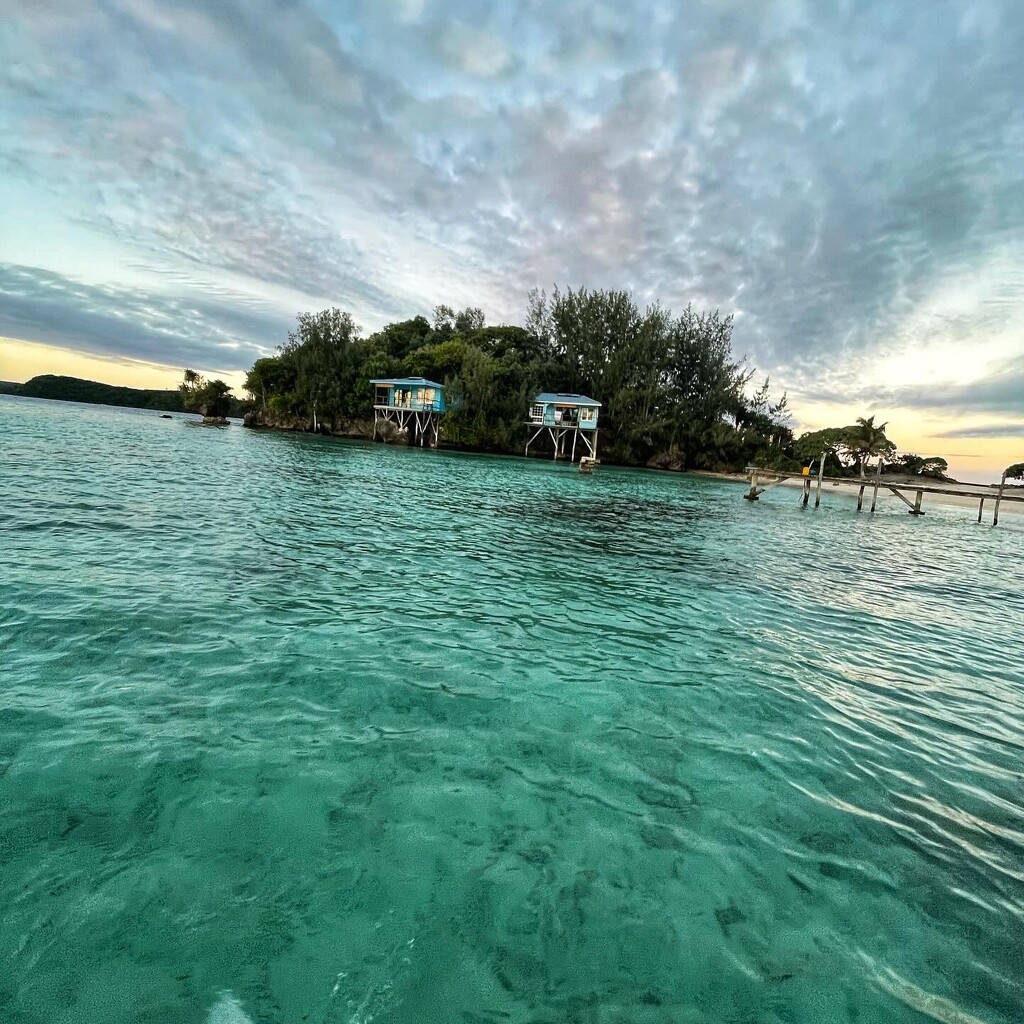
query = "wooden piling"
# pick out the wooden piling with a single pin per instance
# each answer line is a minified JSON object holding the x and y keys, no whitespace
{"x":981,"y":508}
{"x":860,"y":497}
{"x":752,"y":494}
{"x":807,"y":491}
{"x":999,"y":498}
{"x":821,"y":473}
{"x":878,"y":477}
{"x":916,"y":510}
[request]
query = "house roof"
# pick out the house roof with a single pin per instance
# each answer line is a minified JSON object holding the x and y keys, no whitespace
{"x":418,"y":382}
{"x":565,"y":398}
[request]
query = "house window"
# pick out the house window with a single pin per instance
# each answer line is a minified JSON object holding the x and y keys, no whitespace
{"x":428,"y":396}
{"x":537,"y":412}
{"x":586,"y":415}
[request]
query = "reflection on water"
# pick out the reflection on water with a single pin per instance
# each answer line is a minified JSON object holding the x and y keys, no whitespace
{"x":294,"y":730}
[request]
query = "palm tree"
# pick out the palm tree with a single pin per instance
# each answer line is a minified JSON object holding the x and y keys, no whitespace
{"x":867,"y":439}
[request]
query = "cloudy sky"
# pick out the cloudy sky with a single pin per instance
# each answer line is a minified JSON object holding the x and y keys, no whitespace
{"x":179,"y":177}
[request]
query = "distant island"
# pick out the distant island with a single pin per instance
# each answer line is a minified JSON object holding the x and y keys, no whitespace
{"x":75,"y":389}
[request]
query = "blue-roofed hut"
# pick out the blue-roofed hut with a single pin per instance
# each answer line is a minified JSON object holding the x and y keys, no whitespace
{"x":412,"y":403}
{"x":563,"y":417}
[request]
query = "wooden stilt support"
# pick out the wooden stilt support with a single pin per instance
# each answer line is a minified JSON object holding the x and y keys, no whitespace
{"x":821,"y":473}
{"x":860,"y":497}
{"x":916,"y":510}
{"x":999,"y":498}
{"x":753,"y":494}
{"x":981,"y":508}
{"x":807,"y":491}
{"x":878,"y":477}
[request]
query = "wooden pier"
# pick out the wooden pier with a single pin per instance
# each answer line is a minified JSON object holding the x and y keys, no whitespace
{"x":762,"y":479}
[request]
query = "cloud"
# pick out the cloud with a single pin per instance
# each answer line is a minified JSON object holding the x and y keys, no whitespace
{"x":990,"y":430}
{"x":38,"y":305}
{"x":823,"y":171}
{"x":1001,"y":392}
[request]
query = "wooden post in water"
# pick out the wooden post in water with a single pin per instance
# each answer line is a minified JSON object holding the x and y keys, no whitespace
{"x":807,"y":490}
{"x":860,"y":497}
{"x":752,"y":494}
{"x":981,"y":508}
{"x":878,"y":476}
{"x":916,"y":510}
{"x":821,"y":473}
{"x":999,"y":498}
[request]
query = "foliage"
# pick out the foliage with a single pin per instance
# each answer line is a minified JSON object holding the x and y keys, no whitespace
{"x":847,"y":448}
{"x":325,"y":358}
{"x":667,"y":384}
{"x":866,"y":439}
{"x":209,"y":398}
{"x":270,"y":377}
{"x":1014,"y":472}
{"x":916,"y":465}
{"x":75,"y":389}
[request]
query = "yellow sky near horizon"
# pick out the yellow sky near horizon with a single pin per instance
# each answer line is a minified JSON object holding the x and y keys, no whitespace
{"x":970,"y":459}
{"x":22,"y":360}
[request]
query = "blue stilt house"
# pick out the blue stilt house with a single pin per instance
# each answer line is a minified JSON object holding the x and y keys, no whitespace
{"x":565,"y":416}
{"x":413,"y":403}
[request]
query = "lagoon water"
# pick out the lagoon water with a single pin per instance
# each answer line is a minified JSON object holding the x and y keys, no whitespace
{"x":301,"y":730}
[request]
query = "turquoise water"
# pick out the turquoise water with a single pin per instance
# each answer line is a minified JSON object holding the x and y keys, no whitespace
{"x":300,"y":730}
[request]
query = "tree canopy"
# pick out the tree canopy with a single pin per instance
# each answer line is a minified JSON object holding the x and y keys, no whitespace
{"x":848,"y":449}
{"x":210,"y":398}
{"x":667,"y":383}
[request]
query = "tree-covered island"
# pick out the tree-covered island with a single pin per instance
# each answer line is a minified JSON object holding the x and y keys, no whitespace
{"x":674,"y":395}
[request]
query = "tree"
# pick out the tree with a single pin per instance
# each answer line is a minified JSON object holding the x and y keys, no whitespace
{"x":1014,"y":472}
{"x":830,"y":442}
{"x":267,"y":377}
{"x":469,"y":320}
{"x":211,"y":399}
{"x":866,"y":439}
{"x":935,"y":467}
{"x":326,"y":355}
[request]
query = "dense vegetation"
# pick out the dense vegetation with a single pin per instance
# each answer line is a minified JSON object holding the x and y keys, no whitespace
{"x":672,"y":391}
{"x":212,"y":399}
{"x":848,"y":450}
{"x":74,"y":389}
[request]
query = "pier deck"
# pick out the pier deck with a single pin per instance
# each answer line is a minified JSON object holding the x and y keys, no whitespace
{"x":762,"y":479}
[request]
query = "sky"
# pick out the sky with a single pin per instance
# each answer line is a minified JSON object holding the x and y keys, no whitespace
{"x":178,"y":178}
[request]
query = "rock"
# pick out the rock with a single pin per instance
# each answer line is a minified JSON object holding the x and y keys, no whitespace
{"x":216,"y":421}
{"x":673,"y":460}
{"x":166,"y":416}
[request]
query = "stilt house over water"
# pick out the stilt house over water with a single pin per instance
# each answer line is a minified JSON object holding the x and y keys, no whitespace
{"x":567,"y":419}
{"x":414,"y":404}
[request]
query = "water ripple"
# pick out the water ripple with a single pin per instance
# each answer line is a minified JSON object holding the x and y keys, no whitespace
{"x":294,"y":729}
